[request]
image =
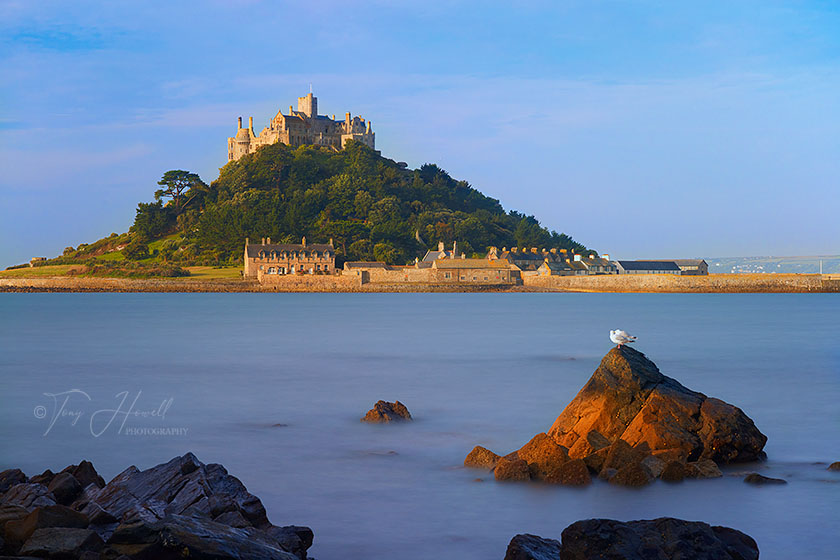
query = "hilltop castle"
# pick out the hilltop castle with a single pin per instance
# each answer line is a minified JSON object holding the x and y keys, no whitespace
{"x":304,"y":126}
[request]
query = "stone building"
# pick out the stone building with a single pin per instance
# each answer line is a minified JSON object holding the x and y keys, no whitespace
{"x":304,"y":126}
{"x":692,"y":267}
{"x":288,"y":258}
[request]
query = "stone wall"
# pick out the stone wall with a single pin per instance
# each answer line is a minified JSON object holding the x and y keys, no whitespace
{"x":713,"y":283}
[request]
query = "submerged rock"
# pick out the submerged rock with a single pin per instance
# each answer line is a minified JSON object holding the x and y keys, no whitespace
{"x":384,"y":411}
{"x":835,"y":466}
{"x":664,"y":539}
{"x":755,"y":478}
{"x":512,"y":469}
{"x":481,"y":458}
{"x":628,"y":398}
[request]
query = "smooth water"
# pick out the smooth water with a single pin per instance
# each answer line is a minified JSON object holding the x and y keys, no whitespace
{"x":273,"y":386}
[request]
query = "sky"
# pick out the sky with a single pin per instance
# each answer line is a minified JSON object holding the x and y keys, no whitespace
{"x":644,"y":129}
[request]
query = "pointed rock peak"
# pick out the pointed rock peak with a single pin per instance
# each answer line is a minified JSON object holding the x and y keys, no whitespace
{"x":624,"y":364}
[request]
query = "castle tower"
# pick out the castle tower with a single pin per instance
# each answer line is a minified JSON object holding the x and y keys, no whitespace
{"x":308,"y":105}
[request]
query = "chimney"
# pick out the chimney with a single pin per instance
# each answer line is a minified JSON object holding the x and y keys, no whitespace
{"x":554,"y":251}
{"x":263,"y":241}
{"x":513,"y":249}
{"x":246,"y":241}
{"x":240,"y":122}
{"x":369,"y":130}
{"x":591,"y":255}
{"x":504,"y":249}
{"x":577,"y":258}
{"x":606,"y":256}
{"x":291,"y":110}
{"x":268,"y":240}
{"x":440,"y":245}
{"x":454,"y":249}
{"x":251,"y":123}
{"x":303,"y":241}
{"x":331,"y":242}
{"x":534,"y":250}
{"x":347,"y":117}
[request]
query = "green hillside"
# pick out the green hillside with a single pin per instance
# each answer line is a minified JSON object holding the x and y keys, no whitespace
{"x":372,"y":207}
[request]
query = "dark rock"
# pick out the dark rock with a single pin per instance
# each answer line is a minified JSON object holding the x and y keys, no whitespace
{"x":655,"y":465}
{"x":19,"y":531}
{"x":595,"y":461}
{"x":532,"y":547}
{"x":834,"y":466}
{"x":232,"y":519}
{"x":543,"y":456}
{"x":85,"y":474}
{"x":28,"y":495}
{"x":177,"y":536}
{"x":296,"y":540}
{"x":755,"y":478}
{"x":706,"y":468}
{"x":44,"y":478}
{"x":61,"y":542}
{"x":632,"y":474}
{"x":663,"y":538}
{"x":570,"y":473}
{"x":628,"y":398}
{"x":384,"y":411}
{"x":512,"y":469}
{"x":11,"y":477}
{"x":674,"y":471}
{"x":65,"y":488}
{"x":172,"y":488}
{"x":481,"y":458}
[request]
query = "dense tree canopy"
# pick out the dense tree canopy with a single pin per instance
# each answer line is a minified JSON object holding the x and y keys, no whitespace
{"x":370,"y":206}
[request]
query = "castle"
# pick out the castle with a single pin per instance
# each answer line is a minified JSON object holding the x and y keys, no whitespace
{"x":304,"y":126}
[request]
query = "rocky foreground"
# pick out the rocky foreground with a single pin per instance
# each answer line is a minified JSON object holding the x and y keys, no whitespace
{"x":665,"y":538}
{"x":630,"y":424}
{"x":180,"y":509}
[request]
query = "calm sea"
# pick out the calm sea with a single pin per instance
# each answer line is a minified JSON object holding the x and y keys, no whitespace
{"x":273,"y":386}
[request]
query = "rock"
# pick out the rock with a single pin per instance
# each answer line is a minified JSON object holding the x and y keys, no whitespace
{"x":10,"y":513}
{"x":621,"y":454}
{"x":384,"y":411}
{"x":28,"y":495}
{"x":532,"y":547}
{"x":174,"y":487}
{"x":177,"y":536}
{"x":632,"y":474}
{"x":673,"y":454}
{"x":543,"y":456}
{"x":655,"y":465}
{"x":65,"y":488}
{"x":11,"y":477}
{"x":628,"y":398}
{"x":595,"y":461}
{"x":85,"y":474}
{"x":61,"y":542}
{"x":293,"y":538}
{"x":588,"y":445}
{"x":232,"y":519}
{"x":662,"y":538}
{"x":19,"y":531}
{"x":755,"y":478}
{"x":834,"y":466}
{"x":674,"y":471}
{"x":570,"y":473}
{"x":512,"y":469}
{"x":706,"y":468}
{"x":481,"y":458}
{"x":44,"y":478}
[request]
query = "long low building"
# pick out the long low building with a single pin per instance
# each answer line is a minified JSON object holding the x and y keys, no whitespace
{"x":648,"y":267}
{"x":439,"y":271}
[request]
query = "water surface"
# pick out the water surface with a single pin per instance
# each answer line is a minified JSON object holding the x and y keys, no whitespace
{"x":273,"y":386}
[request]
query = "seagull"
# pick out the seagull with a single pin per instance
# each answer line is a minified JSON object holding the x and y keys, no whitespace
{"x":620,"y":337}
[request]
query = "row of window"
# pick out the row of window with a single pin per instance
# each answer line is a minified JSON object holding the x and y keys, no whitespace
{"x":287,"y":256}
{"x":292,"y":269}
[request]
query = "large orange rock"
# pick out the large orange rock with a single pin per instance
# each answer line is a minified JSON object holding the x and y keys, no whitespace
{"x":543,"y":455}
{"x":628,"y":398}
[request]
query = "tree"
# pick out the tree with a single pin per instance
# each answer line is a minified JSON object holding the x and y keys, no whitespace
{"x":178,"y":185}
{"x":137,"y":249}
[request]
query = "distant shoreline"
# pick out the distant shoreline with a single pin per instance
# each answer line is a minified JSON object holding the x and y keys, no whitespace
{"x":647,"y":283}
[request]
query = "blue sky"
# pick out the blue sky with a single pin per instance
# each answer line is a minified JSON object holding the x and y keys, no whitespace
{"x":642,"y":129}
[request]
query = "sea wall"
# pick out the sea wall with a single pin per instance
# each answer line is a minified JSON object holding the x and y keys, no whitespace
{"x":713,"y":283}
{"x":716,"y":283}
